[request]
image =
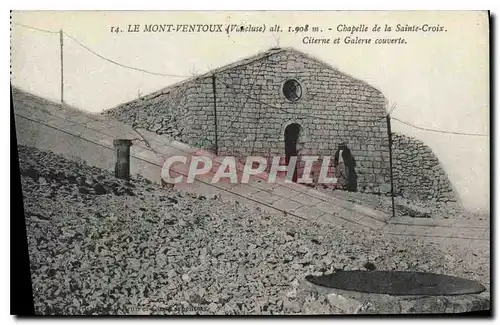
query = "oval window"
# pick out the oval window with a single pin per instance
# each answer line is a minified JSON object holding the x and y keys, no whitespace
{"x":292,"y":90}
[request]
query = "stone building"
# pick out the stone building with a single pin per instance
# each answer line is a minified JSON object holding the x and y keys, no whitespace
{"x":247,"y":108}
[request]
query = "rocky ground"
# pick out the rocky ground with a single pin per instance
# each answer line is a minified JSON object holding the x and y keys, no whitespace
{"x":406,"y":207}
{"x":102,"y":246}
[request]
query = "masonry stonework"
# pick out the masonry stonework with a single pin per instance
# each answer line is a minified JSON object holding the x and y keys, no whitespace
{"x":252,"y":112}
{"x":417,"y":172}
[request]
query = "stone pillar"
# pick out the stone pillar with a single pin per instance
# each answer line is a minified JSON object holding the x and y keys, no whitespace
{"x":122,"y":167}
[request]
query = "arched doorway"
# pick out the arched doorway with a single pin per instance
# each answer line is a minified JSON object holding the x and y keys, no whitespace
{"x":292,"y":133}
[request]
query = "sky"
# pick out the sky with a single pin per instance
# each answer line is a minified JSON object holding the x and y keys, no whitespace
{"x":437,"y":80}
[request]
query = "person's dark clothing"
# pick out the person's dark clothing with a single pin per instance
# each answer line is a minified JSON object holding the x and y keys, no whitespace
{"x":349,"y":165}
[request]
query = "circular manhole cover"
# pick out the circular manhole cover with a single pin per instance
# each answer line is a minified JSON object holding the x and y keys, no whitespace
{"x":397,"y":283}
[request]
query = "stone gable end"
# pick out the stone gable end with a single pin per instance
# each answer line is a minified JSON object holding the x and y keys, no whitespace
{"x":253,"y":112}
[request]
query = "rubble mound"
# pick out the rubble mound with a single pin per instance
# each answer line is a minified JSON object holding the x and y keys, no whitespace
{"x":418,"y":174}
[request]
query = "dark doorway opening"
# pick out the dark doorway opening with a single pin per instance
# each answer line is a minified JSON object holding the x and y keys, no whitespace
{"x":292,"y":133}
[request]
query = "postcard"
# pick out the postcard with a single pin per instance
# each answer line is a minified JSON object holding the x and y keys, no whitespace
{"x":253,"y":162}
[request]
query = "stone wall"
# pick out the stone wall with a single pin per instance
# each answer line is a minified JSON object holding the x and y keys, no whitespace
{"x":252,"y":112}
{"x":417,"y":171}
{"x":163,"y":112}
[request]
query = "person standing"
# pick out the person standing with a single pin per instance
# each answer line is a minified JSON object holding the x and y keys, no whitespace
{"x":343,"y":155}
